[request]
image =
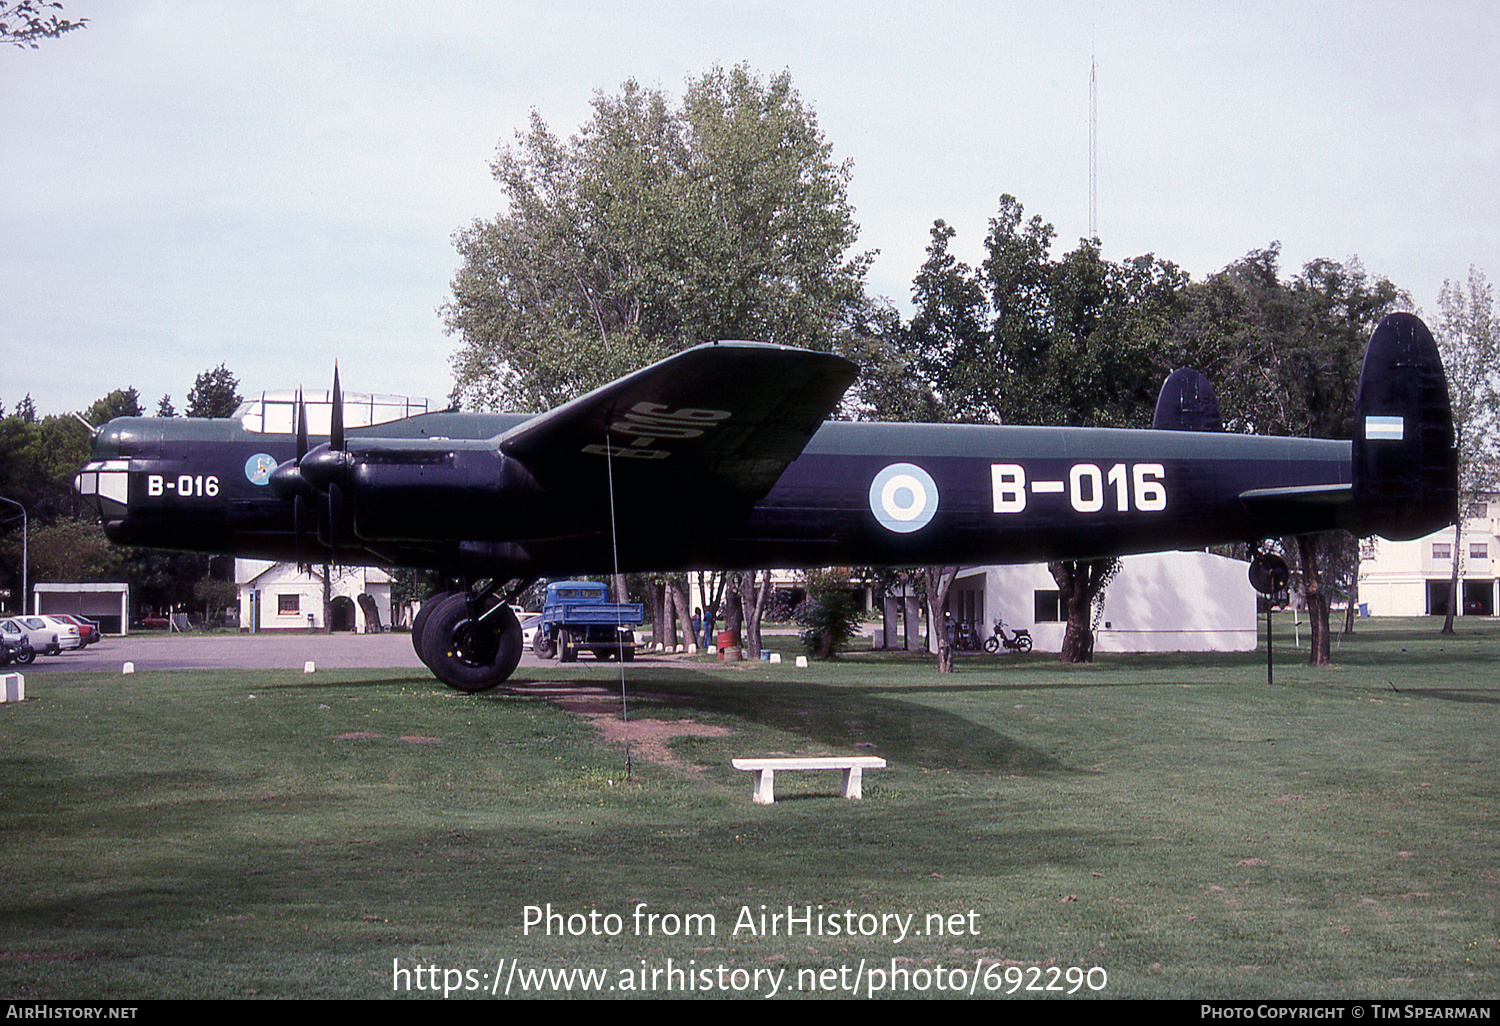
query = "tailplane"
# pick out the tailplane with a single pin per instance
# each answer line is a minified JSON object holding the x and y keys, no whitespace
{"x":1405,"y":467}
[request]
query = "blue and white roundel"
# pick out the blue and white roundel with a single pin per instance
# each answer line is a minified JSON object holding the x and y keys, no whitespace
{"x":903,"y":498}
{"x":258,"y":468}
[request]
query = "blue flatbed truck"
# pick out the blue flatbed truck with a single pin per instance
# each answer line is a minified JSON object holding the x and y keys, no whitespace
{"x":579,"y":615}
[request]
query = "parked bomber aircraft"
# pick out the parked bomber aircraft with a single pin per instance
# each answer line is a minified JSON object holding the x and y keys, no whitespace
{"x":720,"y":457}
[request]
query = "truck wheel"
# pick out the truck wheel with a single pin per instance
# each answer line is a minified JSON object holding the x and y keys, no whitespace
{"x":542,"y":645}
{"x":471,"y":655}
{"x":567,"y":648}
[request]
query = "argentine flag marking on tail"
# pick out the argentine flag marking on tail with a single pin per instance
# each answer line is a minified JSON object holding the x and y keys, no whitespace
{"x":1390,"y":429}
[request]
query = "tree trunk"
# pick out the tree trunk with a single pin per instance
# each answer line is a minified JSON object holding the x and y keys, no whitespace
{"x":1079,"y":583}
{"x":678,"y":587}
{"x":655,"y":596}
{"x":734,"y":609}
{"x":939,"y":583}
{"x":1320,"y":652}
{"x":1349,"y":613}
{"x":1458,"y":530}
{"x":327,"y":598}
{"x":754,"y":599}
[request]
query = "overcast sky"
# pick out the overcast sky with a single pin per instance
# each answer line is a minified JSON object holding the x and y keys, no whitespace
{"x":273,"y":186}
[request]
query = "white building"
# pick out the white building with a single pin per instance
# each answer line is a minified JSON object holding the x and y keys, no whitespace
{"x":1412,"y":578}
{"x":1160,"y":602}
{"x":280,"y":597}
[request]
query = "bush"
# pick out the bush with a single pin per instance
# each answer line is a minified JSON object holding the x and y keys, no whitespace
{"x":828,"y":620}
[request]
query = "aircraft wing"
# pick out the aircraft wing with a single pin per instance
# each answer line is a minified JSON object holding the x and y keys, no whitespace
{"x":715,"y":424}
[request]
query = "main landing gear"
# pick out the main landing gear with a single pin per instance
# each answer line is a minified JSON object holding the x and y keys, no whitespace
{"x":471,"y":642}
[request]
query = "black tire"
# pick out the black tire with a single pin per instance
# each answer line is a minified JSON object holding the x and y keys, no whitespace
{"x":567,"y":648}
{"x":26,"y":655}
{"x":992,"y":645}
{"x":1023,"y":643}
{"x":542,"y":645}
{"x":419,"y":623}
{"x":469,"y":655}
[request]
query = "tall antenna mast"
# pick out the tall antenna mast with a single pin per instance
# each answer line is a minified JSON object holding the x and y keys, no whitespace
{"x":1093,"y":151}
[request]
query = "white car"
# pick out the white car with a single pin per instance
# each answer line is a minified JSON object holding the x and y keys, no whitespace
{"x":528,"y":627}
{"x":48,"y":636}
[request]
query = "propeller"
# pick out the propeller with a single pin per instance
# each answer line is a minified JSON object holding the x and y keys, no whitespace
{"x":316,"y":473}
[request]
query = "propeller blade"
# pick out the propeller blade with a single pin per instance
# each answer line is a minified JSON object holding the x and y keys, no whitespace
{"x":336,"y":428}
{"x":299,"y":529}
{"x":335,"y":515}
{"x":301,"y":426}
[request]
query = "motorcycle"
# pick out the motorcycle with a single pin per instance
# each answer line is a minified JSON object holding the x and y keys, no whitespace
{"x":961,"y":636}
{"x":1019,"y":641}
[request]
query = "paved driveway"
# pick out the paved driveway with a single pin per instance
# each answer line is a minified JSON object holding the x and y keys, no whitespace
{"x":241,"y":651}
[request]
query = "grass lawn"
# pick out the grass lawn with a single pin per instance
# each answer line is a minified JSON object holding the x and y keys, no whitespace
{"x":1170,"y":822}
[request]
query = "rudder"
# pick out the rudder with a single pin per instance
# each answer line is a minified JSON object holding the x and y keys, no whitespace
{"x":1405,"y":467}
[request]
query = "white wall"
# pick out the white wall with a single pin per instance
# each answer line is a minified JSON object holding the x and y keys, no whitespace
{"x":1162,"y":602}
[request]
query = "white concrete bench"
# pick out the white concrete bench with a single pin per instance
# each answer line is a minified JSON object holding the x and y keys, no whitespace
{"x":765,"y":771}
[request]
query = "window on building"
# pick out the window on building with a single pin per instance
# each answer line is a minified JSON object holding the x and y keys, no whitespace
{"x":1048,"y":607}
{"x":1442,"y":550}
{"x":1479,"y":510}
{"x":1479,"y":550}
{"x":288,"y":604}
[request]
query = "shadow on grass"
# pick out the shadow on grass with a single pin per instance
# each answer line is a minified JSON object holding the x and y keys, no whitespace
{"x":827,"y":716}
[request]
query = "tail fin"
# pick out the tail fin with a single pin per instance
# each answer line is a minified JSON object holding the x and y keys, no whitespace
{"x":1405,"y":467}
{"x":1187,"y":403}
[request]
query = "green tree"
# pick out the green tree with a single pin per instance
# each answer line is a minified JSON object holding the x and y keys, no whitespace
{"x":1468,"y":337}
{"x":651,"y":230}
{"x":122,"y":402}
{"x":829,"y":617}
{"x":215,"y":393}
{"x":1291,"y":352}
{"x":1031,"y":339}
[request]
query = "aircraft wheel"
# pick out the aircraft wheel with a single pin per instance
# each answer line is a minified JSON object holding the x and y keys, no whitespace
{"x":419,"y":625}
{"x":992,"y":645}
{"x":469,"y":655}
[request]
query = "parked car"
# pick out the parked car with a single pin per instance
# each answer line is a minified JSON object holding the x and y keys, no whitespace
{"x":88,"y":630}
{"x":47,"y":638}
{"x":64,"y":636}
{"x":529,"y":622}
{"x":15,"y":646}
